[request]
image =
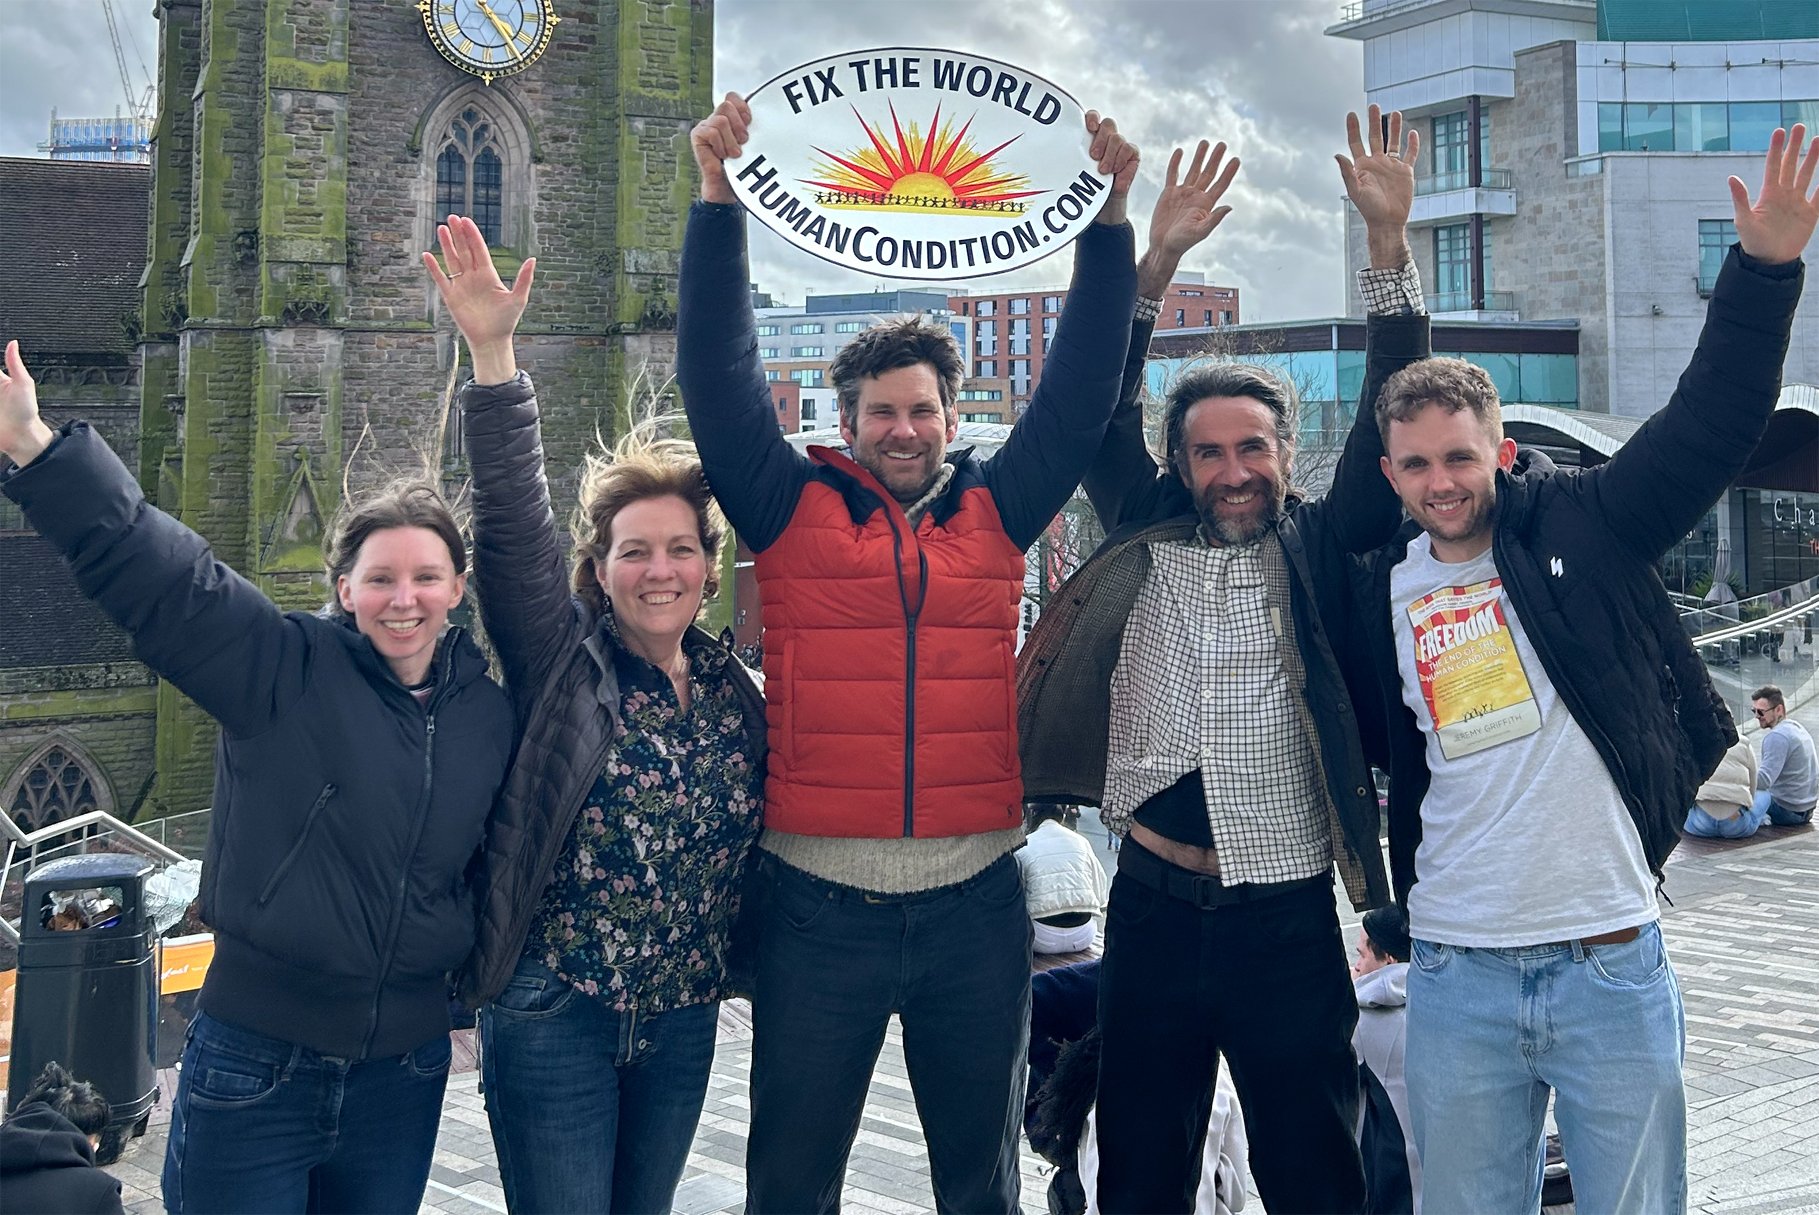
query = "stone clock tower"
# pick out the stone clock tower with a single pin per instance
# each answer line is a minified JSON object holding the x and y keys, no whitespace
{"x":303,"y":152}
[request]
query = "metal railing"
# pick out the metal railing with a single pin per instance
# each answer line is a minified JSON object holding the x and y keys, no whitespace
{"x":1766,"y":639}
{"x":80,"y":826}
{"x":1461,"y":301}
{"x":1461,"y":179}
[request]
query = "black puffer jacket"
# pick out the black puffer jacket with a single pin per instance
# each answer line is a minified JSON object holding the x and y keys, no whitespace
{"x":346,"y":814}
{"x":47,"y":1164}
{"x":559,"y":666}
{"x":1576,"y":550}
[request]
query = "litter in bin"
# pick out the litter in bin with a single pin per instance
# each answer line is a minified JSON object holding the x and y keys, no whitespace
{"x":75,"y":910}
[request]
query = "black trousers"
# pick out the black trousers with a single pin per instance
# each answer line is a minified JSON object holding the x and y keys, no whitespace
{"x":1263,"y":983}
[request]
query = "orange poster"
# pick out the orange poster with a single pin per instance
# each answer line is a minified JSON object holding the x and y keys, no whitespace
{"x":1471,"y":675}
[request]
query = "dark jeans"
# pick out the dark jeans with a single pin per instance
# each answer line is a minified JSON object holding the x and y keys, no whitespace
{"x":591,"y":1109}
{"x":1265,"y":984}
{"x":833,"y":965}
{"x":262,"y":1125}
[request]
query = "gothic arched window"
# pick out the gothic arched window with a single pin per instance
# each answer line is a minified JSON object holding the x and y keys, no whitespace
{"x":56,"y":787}
{"x":470,"y":174}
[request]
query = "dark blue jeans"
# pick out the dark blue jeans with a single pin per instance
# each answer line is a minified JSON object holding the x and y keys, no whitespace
{"x":262,"y":1125}
{"x":591,"y":1109}
{"x":833,"y":965}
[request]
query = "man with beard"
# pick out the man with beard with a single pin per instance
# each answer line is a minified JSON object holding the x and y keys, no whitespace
{"x":1188,"y":681}
{"x":890,"y":583}
{"x":1549,"y":721}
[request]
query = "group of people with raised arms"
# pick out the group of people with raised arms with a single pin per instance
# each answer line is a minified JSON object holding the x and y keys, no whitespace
{"x":575,"y":848}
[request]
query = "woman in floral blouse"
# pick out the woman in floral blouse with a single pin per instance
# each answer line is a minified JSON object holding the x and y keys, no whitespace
{"x":615,"y":860}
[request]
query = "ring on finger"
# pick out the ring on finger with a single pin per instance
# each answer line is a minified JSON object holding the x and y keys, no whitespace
{"x":456,"y":273}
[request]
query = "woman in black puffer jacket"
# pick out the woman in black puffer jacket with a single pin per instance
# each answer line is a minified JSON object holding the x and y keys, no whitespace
{"x":359,"y":756}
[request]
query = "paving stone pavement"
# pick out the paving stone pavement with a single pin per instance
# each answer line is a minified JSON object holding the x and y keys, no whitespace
{"x":1744,"y":934}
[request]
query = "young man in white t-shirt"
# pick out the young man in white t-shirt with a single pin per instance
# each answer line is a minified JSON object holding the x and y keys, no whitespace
{"x":1548,"y":723}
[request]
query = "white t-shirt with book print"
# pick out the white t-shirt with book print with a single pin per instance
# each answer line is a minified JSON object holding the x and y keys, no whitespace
{"x":1524,"y":836}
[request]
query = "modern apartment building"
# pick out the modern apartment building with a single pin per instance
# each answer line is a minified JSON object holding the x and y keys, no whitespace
{"x":1012,"y":330}
{"x":1573,"y":171}
{"x":1574,"y":167}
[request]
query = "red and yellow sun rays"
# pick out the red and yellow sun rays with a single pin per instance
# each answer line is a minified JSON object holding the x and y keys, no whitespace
{"x":942,"y":173}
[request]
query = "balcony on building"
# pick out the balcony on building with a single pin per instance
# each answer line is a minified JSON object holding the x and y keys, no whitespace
{"x":1443,"y":198}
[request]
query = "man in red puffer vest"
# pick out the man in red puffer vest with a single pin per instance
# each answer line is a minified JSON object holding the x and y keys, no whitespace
{"x":890,"y":582}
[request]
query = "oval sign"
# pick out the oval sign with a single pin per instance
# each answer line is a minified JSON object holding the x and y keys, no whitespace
{"x":907,"y":162}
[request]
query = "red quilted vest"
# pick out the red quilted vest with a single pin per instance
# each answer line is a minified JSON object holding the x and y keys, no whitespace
{"x":889,"y":664}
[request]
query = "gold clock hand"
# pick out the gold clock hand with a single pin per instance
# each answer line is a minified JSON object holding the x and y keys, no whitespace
{"x":499,"y":25}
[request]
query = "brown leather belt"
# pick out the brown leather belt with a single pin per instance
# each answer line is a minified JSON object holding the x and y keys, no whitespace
{"x":1616,"y":936}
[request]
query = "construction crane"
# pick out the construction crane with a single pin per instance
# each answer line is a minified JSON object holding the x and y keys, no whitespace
{"x":139,"y":103}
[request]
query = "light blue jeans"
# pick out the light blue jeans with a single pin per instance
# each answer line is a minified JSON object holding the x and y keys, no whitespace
{"x":1490,"y":1031}
{"x":1740,"y":826}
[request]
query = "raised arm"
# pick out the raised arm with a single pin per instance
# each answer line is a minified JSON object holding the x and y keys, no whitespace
{"x":193,"y":620}
{"x":1661,"y":482}
{"x":756,"y":475}
{"x":518,"y":564}
{"x":1124,"y":481}
{"x":1379,"y":178}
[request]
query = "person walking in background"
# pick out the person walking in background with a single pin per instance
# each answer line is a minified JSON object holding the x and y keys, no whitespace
{"x":1787,"y":774}
{"x":615,"y":864}
{"x":313,"y":1075}
{"x":1380,"y":981}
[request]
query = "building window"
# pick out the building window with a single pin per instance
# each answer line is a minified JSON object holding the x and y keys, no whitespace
{"x":782,"y":404}
{"x":1020,"y":305}
{"x":1702,"y":127}
{"x":1208,"y":318}
{"x":1225,"y":318}
{"x":1752,"y":124}
{"x":1716,"y":236}
{"x":981,"y":394}
{"x":470,"y":175}
{"x":808,"y":409}
{"x":1020,"y":377}
{"x":850,"y":327}
{"x":809,"y":327}
{"x":805,"y":352}
{"x":1181,"y":318}
{"x":767,"y":352}
{"x":810,"y":378}
{"x":1453,"y":267}
{"x":771,"y":373}
{"x":57,"y":787}
{"x":988,"y":370}
{"x":767,"y":331}
{"x":1051,"y":303}
{"x":987,"y":308}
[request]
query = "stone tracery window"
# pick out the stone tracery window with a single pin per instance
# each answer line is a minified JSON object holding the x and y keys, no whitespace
{"x":57,"y":787}
{"x":470,"y":174}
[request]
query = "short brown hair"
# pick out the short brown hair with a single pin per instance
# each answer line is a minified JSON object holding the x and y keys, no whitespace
{"x":1260,"y":384}
{"x":407,"y":502}
{"x":1452,"y":384}
{"x":902,"y":341}
{"x":1770,"y":693}
{"x":644,"y":464}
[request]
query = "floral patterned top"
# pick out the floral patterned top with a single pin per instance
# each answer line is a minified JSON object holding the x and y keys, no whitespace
{"x":639,"y":912}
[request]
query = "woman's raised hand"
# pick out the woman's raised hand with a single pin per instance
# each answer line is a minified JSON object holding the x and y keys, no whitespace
{"x":23,"y":434}
{"x":483,"y":307}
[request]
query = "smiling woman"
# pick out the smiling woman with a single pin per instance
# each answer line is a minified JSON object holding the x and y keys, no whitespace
{"x":329,"y":986}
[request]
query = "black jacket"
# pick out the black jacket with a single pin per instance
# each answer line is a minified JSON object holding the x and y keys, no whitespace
{"x":47,"y":1167}
{"x":346,"y":814}
{"x":558,"y":663}
{"x":1577,"y":553}
{"x":1062,"y":673}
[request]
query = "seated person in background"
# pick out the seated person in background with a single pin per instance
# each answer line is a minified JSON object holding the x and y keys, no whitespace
{"x":47,"y":1149}
{"x":1063,"y":882}
{"x":1380,"y":977}
{"x":1787,"y":779}
{"x":1724,"y":808}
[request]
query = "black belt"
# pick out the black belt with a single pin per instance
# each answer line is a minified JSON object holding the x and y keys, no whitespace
{"x":1203,"y":890}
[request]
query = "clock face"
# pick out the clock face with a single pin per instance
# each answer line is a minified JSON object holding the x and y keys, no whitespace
{"x":489,"y":38}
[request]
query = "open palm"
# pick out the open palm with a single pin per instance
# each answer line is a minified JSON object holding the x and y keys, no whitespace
{"x":1188,"y":208}
{"x":1380,"y":174}
{"x":482,"y":306}
{"x":1777,"y":225}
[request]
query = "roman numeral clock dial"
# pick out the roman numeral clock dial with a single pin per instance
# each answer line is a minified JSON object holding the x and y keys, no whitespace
{"x":490,"y":38}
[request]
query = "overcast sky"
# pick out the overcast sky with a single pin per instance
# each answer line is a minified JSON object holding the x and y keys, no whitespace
{"x":1259,"y":74}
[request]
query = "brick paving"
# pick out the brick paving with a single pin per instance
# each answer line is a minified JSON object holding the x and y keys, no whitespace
{"x":1743,"y":931}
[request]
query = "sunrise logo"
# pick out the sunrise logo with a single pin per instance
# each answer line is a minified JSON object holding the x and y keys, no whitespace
{"x":942,"y":173}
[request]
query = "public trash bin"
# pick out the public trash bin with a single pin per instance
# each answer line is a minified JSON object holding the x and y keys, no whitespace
{"x":87,"y":994}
